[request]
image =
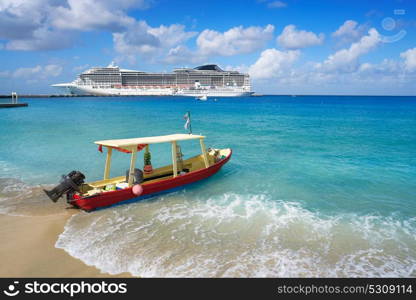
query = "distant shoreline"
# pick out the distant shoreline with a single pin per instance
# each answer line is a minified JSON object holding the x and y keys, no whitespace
{"x":44,"y":96}
{"x":255,"y":95}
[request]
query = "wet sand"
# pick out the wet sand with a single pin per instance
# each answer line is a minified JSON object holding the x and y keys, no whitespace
{"x":28,"y":249}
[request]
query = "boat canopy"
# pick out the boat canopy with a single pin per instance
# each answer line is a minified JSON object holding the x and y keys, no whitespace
{"x":127,"y":143}
{"x":136,"y":144}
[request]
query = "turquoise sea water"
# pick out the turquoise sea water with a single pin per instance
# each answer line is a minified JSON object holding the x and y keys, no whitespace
{"x":317,"y":186}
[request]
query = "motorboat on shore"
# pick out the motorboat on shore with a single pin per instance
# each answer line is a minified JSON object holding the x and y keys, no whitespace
{"x":138,"y":184}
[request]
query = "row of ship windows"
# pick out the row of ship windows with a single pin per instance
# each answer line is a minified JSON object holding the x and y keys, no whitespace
{"x":163,"y":78}
{"x":128,"y":82}
{"x":202,"y":81}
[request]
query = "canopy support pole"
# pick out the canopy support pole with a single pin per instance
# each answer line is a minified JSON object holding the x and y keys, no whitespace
{"x":108,"y":163}
{"x":174,"y":160}
{"x":132,"y":165}
{"x":204,"y":152}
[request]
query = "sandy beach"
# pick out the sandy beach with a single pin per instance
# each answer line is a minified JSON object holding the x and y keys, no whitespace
{"x":28,"y":249}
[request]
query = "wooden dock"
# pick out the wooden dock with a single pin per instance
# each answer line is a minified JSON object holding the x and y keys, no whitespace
{"x":10,"y":105}
{"x":14,"y":102}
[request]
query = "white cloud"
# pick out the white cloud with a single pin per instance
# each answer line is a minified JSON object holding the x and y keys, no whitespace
{"x":237,"y":40}
{"x":80,"y":68}
{"x":241,"y":68}
{"x":93,"y":14}
{"x":42,"y":39}
{"x":350,"y":31}
{"x":52,"y":24}
{"x":275,"y":72}
{"x":349,"y":28}
{"x":172,"y":35}
{"x":385,"y":67}
{"x":342,"y":73}
{"x":24,"y":25}
{"x":19,"y":18}
{"x":166,"y":43}
{"x":346,"y":60}
{"x":51,"y":70}
{"x":409,"y":57}
{"x":276,"y":4}
{"x":181,"y":54}
{"x":27,"y":72}
{"x":272,"y":63}
{"x":291,"y":38}
{"x":136,"y":40}
{"x":386,"y":77}
{"x":142,"y":40}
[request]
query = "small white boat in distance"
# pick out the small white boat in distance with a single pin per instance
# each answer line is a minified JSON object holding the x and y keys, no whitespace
{"x":202,"y":98}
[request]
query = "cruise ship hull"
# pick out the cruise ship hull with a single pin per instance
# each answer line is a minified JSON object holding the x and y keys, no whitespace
{"x":83,"y":90}
{"x":213,"y":93}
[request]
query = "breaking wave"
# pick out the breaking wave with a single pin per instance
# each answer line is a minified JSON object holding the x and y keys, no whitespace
{"x":236,"y":235}
{"x":20,"y":199}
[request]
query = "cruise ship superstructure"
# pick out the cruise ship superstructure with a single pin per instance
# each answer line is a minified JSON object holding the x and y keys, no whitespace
{"x":206,"y":80}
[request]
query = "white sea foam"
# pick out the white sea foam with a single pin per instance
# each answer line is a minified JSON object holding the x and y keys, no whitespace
{"x":239,"y":236}
{"x":20,"y":199}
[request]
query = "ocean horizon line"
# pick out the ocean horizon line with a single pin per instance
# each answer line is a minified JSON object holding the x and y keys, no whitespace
{"x":255,"y":95}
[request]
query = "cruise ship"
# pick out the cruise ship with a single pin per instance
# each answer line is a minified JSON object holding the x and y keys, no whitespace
{"x":202,"y":81}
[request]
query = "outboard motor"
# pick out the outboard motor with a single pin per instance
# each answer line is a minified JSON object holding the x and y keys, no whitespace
{"x":138,"y":176}
{"x":68,"y":184}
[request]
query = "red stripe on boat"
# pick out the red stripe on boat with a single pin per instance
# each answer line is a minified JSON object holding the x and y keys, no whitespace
{"x":113,"y":197}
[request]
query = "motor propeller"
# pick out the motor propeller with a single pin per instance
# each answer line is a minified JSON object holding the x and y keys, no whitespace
{"x":69,"y":183}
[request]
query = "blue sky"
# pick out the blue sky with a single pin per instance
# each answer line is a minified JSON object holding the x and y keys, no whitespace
{"x":287,"y":46}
